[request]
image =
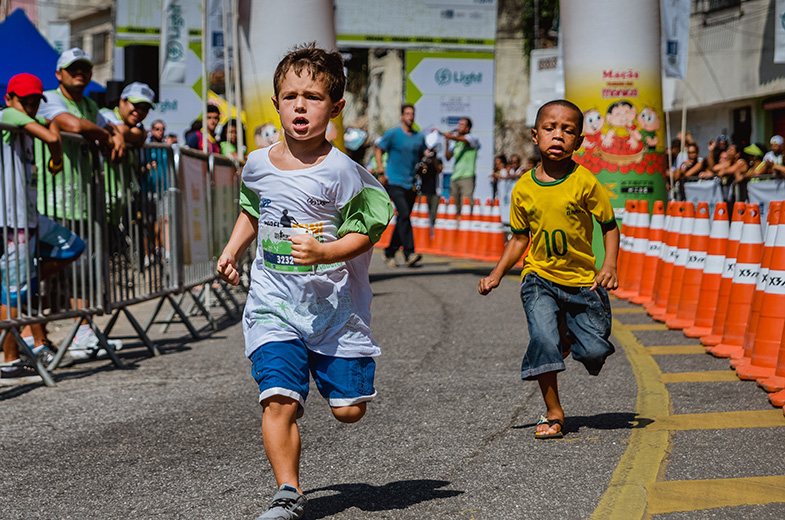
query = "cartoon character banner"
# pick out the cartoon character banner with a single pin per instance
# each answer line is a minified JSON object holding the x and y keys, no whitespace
{"x":618,"y":85}
{"x":268,"y":31}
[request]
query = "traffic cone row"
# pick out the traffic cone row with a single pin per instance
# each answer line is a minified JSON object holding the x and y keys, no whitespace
{"x":717,"y":280}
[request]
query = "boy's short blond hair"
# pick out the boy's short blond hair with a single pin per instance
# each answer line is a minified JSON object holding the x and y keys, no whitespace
{"x":322,"y":65}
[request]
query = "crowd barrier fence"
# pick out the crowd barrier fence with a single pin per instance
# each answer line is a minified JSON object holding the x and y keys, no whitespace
{"x":153,"y":226}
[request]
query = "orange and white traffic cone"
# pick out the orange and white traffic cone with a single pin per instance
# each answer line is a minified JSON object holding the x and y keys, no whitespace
{"x":663,"y":286}
{"x":439,"y":238}
{"x":625,"y":244}
{"x":653,"y":250}
{"x":384,"y":240}
{"x":450,"y":229}
{"x":745,"y":277}
{"x":778,"y":399}
{"x":712,"y":274}
{"x":767,"y":319}
{"x":718,"y":324}
{"x":639,"y":229}
{"x":687,"y":303}
{"x":679,"y":263}
{"x":775,"y":285}
{"x":476,"y":230}
{"x":495,"y":234}
{"x":421,"y":225}
{"x":465,"y":229}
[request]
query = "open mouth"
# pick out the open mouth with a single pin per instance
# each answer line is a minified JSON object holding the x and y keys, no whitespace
{"x":300,"y":123}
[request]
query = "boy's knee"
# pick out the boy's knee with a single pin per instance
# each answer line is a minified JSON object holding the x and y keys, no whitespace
{"x":349,"y":414}
{"x":280,"y":406}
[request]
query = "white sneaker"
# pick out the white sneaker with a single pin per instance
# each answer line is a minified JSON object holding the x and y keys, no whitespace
{"x":86,"y":343}
{"x":117,"y":344}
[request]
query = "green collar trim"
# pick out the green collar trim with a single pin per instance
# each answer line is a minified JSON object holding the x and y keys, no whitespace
{"x":559,"y":181}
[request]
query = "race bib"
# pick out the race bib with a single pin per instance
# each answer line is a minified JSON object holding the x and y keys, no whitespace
{"x":278,"y":249}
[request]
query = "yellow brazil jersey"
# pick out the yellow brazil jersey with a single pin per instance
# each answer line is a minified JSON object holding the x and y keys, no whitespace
{"x":558,"y":217}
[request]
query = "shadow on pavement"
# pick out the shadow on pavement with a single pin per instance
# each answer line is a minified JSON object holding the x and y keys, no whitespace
{"x":603,"y":421}
{"x":394,"y":495}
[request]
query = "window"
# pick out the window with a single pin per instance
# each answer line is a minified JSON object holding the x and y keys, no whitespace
{"x":100,"y":41}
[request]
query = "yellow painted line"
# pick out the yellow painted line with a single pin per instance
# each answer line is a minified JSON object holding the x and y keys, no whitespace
{"x":646,"y":326}
{"x":694,"y":495}
{"x":630,"y":310}
{"x":721,"y":420}
{"x":625,"y":498}
{"x":675,"y":349}
{"x":710,"y":376}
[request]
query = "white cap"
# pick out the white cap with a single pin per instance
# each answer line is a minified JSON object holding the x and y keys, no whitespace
{"x":777,"y":139}
{"x":73,"y":55}
{"x":138,"y":93}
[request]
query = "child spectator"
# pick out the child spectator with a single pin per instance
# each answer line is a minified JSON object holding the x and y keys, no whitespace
{"x":28,"y":234}
{"x":564,"y":296}
{"x":135,"y":103}
{"x":317,"y":214}
{"x":228,"y":140}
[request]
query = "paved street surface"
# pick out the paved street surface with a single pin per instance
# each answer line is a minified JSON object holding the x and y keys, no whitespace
{"x":665,"y":431}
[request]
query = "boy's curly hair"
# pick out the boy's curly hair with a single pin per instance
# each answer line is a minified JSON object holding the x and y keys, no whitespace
{"x":322,"y":65}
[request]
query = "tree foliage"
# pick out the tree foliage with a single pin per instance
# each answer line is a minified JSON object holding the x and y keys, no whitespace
{"x":548,"y":22}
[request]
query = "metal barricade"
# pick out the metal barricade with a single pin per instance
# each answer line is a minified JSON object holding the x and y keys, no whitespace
{"x":210,"y":186}
{"x":38,"y":240}
{"x":141,"y":203}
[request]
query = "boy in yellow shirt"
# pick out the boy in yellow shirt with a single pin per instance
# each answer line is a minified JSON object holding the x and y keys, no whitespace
{"x":564,"y":296}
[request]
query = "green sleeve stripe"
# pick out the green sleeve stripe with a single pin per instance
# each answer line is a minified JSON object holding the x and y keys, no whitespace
{"x":249,"y":201}
{"x":519,"y":231}
{"x":367,"y":213}
{"x":608,"y":221}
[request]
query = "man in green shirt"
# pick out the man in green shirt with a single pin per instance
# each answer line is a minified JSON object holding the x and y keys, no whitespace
{"x":464,"y":148}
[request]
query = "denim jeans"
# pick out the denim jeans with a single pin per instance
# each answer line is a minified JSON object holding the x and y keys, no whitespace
{"x":587,"y":315}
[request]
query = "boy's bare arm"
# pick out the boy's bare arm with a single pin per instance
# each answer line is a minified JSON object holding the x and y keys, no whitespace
{"x":607,"y":277}
{"x":52,"y":139}
{"x":242,"y":235}
{"x":512,"y":253}
{"x":306,"y":250}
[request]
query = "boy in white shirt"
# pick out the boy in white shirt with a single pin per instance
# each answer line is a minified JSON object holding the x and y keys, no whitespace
{"x":317,"y":214}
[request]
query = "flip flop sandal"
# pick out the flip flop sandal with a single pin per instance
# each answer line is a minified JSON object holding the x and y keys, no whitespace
{"x":550,"y":422}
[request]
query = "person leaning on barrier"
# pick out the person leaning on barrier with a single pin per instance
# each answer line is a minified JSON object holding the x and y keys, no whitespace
{"x":157,"y":132}
{"x":773,"y":157}
{"x":757,"y":166}
{"x":28,"y":234}
{"x":76,"y":113}
{"x":135,"y":103}
{"x":194,"y":139}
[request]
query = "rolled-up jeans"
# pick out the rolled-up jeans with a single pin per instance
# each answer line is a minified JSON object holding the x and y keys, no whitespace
{"x":587,"y":315}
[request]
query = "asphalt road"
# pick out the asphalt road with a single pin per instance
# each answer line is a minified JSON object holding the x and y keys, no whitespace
{"x":450,"y":435}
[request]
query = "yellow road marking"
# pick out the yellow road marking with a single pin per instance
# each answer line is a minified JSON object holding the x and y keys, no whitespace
{"x":675,"y":349}
{"x":700,"y":377}
{"x":647,"y":326}
{"x":630,"y":310}
{"x":722,"y":420}
{"x":692,"y":495}
{"x":625,"y":498}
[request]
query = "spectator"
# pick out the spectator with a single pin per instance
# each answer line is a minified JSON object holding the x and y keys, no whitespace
{"x":157,"y":132}
{"x":757,"y":165}
{"x":29,"y":234}
{"x":692,"y":166}
{"x":195,"y":139}
{"x":405,"y":147}
{"x":430,"y":169}
{"x":171,"y":139}
{"x":731,"y":166}
{"x":135,"y":103}
{"x":228,"y":140}
{"x":773,"y":157}
{"x":716,"y":147}
{"x":464,"y":148}
{"x":72,"y":112}
{"x":515,"y":169}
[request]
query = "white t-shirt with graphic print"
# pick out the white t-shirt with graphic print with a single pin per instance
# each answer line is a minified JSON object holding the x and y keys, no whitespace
{"x":327,"y":306}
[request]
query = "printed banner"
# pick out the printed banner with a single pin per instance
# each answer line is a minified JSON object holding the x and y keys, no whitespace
{"x":447,"y":86}
{"x":268,"y":31}
{"x":224,"y":204}
{"x":60,"y":36}
{"x":174,"y":43}
{"x":762,"y":193}
{"x":675,"y":37}
{"x":779,"y":32}
{"x":193,"y":173}
{"x":707,"y":190}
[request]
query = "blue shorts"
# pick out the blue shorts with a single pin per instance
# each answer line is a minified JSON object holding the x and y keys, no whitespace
{"x":282,"y":367}
{"x":49,"y":241}
{"x":586,"y":315}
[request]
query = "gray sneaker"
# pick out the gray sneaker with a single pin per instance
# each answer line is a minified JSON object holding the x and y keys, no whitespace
{"x":287,"y":504}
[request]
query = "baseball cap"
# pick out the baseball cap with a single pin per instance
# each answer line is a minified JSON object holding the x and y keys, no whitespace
{"x":25,"y":84}
{"x":754,"y":150}
{"x":777,"y":139}
{"x":137,"y":92}
{"x":722,"y":137}
{"x":71,"y":56}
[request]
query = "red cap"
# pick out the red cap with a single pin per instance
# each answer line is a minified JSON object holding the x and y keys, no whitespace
{"x":25,"y":84}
